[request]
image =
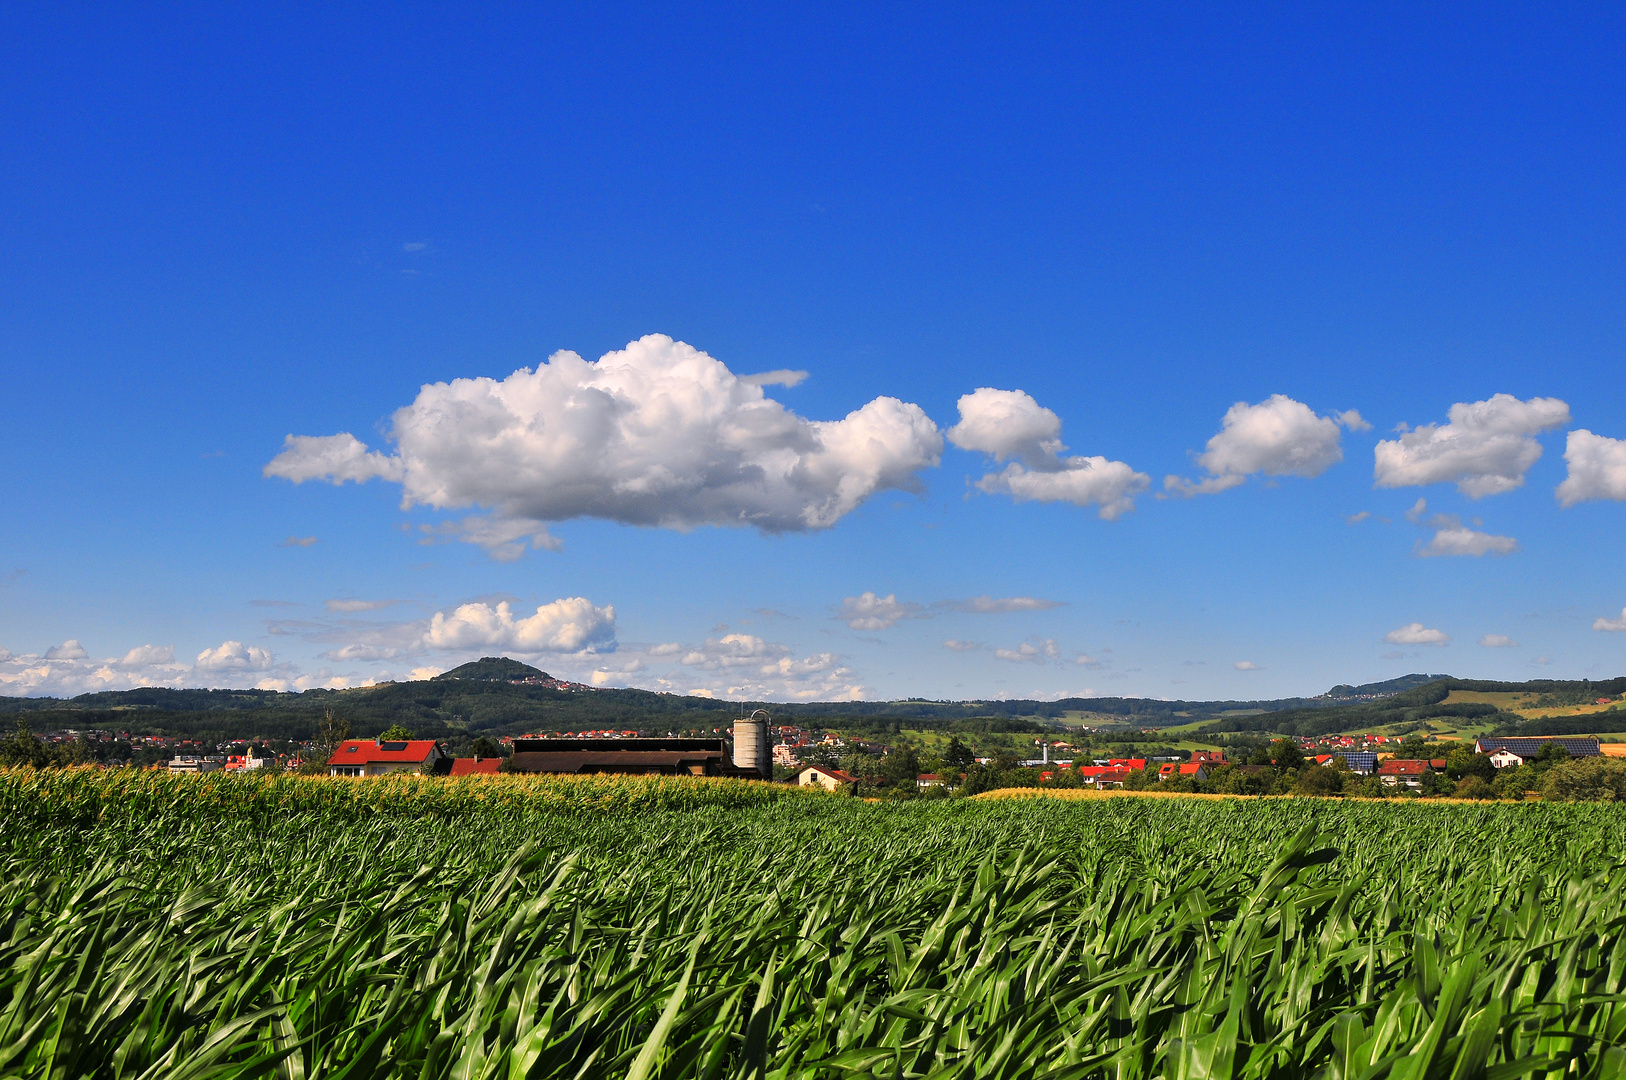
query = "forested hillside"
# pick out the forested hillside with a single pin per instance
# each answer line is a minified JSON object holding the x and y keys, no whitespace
{"x":480,"y":699}
{"x":1429,"y":701}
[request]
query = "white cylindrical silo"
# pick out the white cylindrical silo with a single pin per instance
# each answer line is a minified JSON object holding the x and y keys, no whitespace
{"x":751,"y":747}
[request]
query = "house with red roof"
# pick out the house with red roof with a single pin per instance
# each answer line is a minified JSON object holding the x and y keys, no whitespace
{"x":1407,"y":772}
{"x":1190,"y":770}
{"x":828,"y":779}
{"x":476,"y":766}
{"x":1104,"y":776}
{"x":375,"y":757}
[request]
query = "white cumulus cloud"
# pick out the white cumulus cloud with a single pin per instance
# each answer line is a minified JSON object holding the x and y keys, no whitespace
{"x":867,"y":611}
{"x":1613,"y":626}
{"x":1461,"y":540}
{"x":143,"y":656}
{"x":234,"y":656}
{"x":570,"y":625}
{"x":1031,"y":652}
{"x":1276,"y":437}
{"x":68,"y":650}
{"x":1009,"y":425}
{"x":1245,"y":665}
{"x":1485,"y":448}
{"x":1417,"y":634}
{"x":1498,"y":641}
{"x":658,"y":433}
{"x":1597,"y":468}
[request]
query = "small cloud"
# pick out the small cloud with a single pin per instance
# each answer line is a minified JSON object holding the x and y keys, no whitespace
{"x":414,"y":245}
{"x":1246,"y":665}
{"x":419,"y":674}
{"x":1460,"y":540}
{"x":1613,"y":626}
{"x":298,"y":541}
{"x":1418,"y":509}
{"x":349,"y":606}
{"x":781,"y":377}
{"x":867,"y":611}
{"x":1497,"y":641}
{"x":989,"y":605}
{"x":670,"y":648}
{"x":1353,"y":420}
{"x":1087,"y":661}
{"x":1417,"y":634}
{"x":1356,"y":519}
{"x":1542,"y":661}
{"x":68,"y":650}
{"x":1030,"y":652}
{"x":964,"y":646}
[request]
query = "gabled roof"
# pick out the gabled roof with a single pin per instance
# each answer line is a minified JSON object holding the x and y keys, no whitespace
{"x":1529,"y":746}
{"x":1404,"y":767}
{"x":467,"y":766}
{"x":834,"y":774}
{"x":366,"y":751}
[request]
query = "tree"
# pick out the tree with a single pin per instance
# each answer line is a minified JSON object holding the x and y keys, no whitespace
{"x":957,"y":755}
{"x":1475,"y":787}
{"x":1589,"y":779}
{"x":332,"y":733}
{"x":393,"y":733}
{"x":23,"y":749}
{"x":902,"y":765}
{"x":486,"y":746}
{"x":1286,"y":755}
{"x":1319,"y":780}
{"x":1412,"y":747}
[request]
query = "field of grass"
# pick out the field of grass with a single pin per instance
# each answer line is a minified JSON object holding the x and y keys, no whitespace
{"x":1524,"y":703}
{"x":234,"y":927}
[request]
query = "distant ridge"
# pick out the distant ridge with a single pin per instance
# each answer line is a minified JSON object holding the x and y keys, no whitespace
{"x":494,"y":669}
{"x":1344,"y":691}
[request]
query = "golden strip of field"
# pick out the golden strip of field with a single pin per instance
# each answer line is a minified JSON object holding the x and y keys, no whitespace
{"x":1118,"y":793}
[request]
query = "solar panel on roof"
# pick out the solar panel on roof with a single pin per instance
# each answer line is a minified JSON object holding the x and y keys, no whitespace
{"x":392,"y":746}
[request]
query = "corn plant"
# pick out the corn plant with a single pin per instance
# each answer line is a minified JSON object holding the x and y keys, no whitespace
{"x":158,"y":927}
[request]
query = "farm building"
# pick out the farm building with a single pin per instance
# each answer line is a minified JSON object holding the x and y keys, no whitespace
{"x":629,"y":757}
{"x":375,"y":757}
{"x":1528,"y":747}
{"x":476,"y":766}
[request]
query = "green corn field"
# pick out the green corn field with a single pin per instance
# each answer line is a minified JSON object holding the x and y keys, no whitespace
{"x":224,"y":926}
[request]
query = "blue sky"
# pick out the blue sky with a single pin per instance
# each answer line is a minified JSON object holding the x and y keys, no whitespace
{"x":222,"y":228}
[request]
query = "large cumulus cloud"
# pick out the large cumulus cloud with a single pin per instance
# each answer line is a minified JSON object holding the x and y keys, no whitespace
{"x":1485,"y":448}
{"x":1276,"y":437}
{"x":1597,"y":468}
{"x":658,"y":433}
{"x":1009,"y":425}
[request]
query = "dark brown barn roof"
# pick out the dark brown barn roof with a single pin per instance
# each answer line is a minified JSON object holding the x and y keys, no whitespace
{"x":597,"y":760}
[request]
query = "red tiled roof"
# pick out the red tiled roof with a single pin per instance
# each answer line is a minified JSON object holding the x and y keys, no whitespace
{"x":834,"y":773}
{"x":365,"y":751}
{"x":1404,"y":767}
{"x":467,"y":766}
